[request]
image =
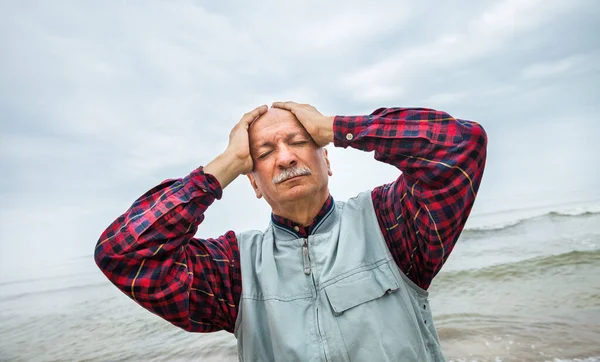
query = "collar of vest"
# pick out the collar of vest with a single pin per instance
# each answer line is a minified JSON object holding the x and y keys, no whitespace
{"x":322,"y":224}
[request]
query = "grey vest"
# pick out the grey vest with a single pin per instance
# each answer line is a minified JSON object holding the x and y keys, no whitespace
{"x":336,"y":296}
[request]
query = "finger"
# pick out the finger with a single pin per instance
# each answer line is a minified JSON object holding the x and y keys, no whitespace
{"x":289,"y":105}
{"x":308,"y":106}
{"x":254,"y":114}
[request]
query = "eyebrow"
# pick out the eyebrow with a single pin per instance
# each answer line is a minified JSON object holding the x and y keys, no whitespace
{"x":271,"y":144}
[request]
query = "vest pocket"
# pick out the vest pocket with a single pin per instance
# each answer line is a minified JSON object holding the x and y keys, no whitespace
{"x":374,"y":317}
{"x":361,"y":287}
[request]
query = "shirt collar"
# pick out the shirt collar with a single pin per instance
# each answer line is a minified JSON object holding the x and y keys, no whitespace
{"x":304,"y":231}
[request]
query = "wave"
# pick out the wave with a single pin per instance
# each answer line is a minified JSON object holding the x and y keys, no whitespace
{"x":576,"y":212}
{"x":34,"y":293}
{"x":566,"y":213}
{"x":498,"y":359}
{"x":44,"y":278}
{"x":519,"y":269}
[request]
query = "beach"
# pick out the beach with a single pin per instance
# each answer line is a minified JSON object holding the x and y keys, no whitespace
{"x":520,"y":285}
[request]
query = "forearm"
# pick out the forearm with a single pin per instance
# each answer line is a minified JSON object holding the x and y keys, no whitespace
{"x":150,"y":254}
{"x":442,"y":159}
{"x":168,"y":213}
{"x":411,"y":139}
{"x":225,"y":168}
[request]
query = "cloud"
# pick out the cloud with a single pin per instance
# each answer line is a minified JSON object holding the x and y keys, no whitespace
{"x":552,"y":68}
{"x":448,"y":98}
{"x":481,"y":37}
{"x":100,"y":102}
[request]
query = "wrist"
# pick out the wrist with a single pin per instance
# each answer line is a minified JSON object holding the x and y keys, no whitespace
{"x":326,"y":132}
{"x":330,"y":121}
{"x":225,"y":168}
{"x":234,"y":162}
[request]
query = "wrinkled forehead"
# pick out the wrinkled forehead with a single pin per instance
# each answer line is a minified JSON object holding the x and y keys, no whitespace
{"x":273,"y":124}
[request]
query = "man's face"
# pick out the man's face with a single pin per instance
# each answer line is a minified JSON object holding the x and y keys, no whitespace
{"x":288,"y":165}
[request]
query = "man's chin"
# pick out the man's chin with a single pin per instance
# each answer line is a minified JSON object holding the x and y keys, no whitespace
{"x":296,"y":191}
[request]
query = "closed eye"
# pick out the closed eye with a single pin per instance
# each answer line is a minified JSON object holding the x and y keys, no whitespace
{"x":263,"y":155}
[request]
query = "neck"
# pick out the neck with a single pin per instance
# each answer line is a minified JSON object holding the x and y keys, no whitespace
{"x":304,"y":211}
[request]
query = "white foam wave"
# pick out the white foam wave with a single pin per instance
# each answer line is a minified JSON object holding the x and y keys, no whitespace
{"x":506,"y":219}
{"x":497,"y":226}
{"x":498,"y":359}
{"x":576,"y":211}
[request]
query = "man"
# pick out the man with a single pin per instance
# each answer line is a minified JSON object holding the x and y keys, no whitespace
{"x":326,"y":281}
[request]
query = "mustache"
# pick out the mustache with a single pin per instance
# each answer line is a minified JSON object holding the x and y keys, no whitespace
{"x":288,"y":173}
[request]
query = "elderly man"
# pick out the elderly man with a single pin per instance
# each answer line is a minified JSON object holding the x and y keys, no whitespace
{"x":326,"y":280}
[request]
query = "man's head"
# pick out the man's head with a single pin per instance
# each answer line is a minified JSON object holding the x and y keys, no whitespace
{"x":288,"y":164}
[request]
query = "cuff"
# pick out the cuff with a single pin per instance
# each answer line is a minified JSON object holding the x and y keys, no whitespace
{"x":198,"y":181}
{"x":348,"y":129}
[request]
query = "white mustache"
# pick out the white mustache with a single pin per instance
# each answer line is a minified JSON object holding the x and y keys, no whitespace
{"x":288,"y":173}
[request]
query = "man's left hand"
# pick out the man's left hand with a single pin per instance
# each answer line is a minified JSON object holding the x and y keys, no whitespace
{"x":319,"y":127}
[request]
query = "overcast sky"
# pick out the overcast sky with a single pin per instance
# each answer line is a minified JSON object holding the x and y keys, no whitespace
{"x":101,"y":100}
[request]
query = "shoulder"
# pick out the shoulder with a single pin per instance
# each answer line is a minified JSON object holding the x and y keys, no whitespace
{"x":250,"y":238}
{"x":359,"y":207}
{"x":360,"y":201}
{"x":252,"y":234}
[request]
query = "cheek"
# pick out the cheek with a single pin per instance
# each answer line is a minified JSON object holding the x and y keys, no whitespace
{"x":318,"y":162}
{"x":262,"y":174}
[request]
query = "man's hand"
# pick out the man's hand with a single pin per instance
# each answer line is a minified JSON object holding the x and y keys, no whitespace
{"x":319,"y":127}
{"x":239,"y":144}
{"x":236,"y":159}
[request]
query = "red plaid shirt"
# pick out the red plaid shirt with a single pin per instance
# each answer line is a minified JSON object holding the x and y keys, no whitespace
{"x":150,"y":252}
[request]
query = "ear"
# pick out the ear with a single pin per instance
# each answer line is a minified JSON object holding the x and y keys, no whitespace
{"x":254,"y":185}
{"x":325,"y":154}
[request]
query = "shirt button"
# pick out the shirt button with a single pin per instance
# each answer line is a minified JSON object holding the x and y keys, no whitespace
{"x":296,"y":228}
{"x":349,"y":136}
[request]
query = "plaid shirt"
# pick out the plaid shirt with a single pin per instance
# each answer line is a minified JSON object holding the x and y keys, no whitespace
{"x":150,"y":252}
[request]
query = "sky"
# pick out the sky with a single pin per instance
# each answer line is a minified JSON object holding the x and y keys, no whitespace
{"x":100,"y":101}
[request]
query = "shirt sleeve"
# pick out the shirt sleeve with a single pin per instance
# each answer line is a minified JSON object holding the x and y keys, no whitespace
{"x":150,"y":254}
{"x":422,"y":213}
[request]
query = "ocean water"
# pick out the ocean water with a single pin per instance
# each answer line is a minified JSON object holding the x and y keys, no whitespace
{"x":521,"y":285}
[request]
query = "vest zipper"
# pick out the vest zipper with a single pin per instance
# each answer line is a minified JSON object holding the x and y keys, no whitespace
{"x":321,"y":335}
{"x":305,"y":257}
{"x":307,"y":271}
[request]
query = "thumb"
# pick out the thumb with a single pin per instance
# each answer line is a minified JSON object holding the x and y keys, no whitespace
{"x":289,"y":105}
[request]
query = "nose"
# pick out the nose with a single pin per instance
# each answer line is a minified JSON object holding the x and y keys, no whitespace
{"x":286,"y":157}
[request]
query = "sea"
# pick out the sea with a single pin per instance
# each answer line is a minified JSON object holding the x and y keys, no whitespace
{"x":520,"y":285}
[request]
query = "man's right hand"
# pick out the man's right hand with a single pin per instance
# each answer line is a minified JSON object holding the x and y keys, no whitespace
{"x":239,"y":144}
{"x":236,"y":159}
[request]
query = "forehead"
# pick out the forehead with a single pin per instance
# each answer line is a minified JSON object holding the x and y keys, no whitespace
{"x":275,"y":124}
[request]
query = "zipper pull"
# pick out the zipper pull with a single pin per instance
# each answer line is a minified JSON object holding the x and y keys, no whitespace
{"x":305,"y":257}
